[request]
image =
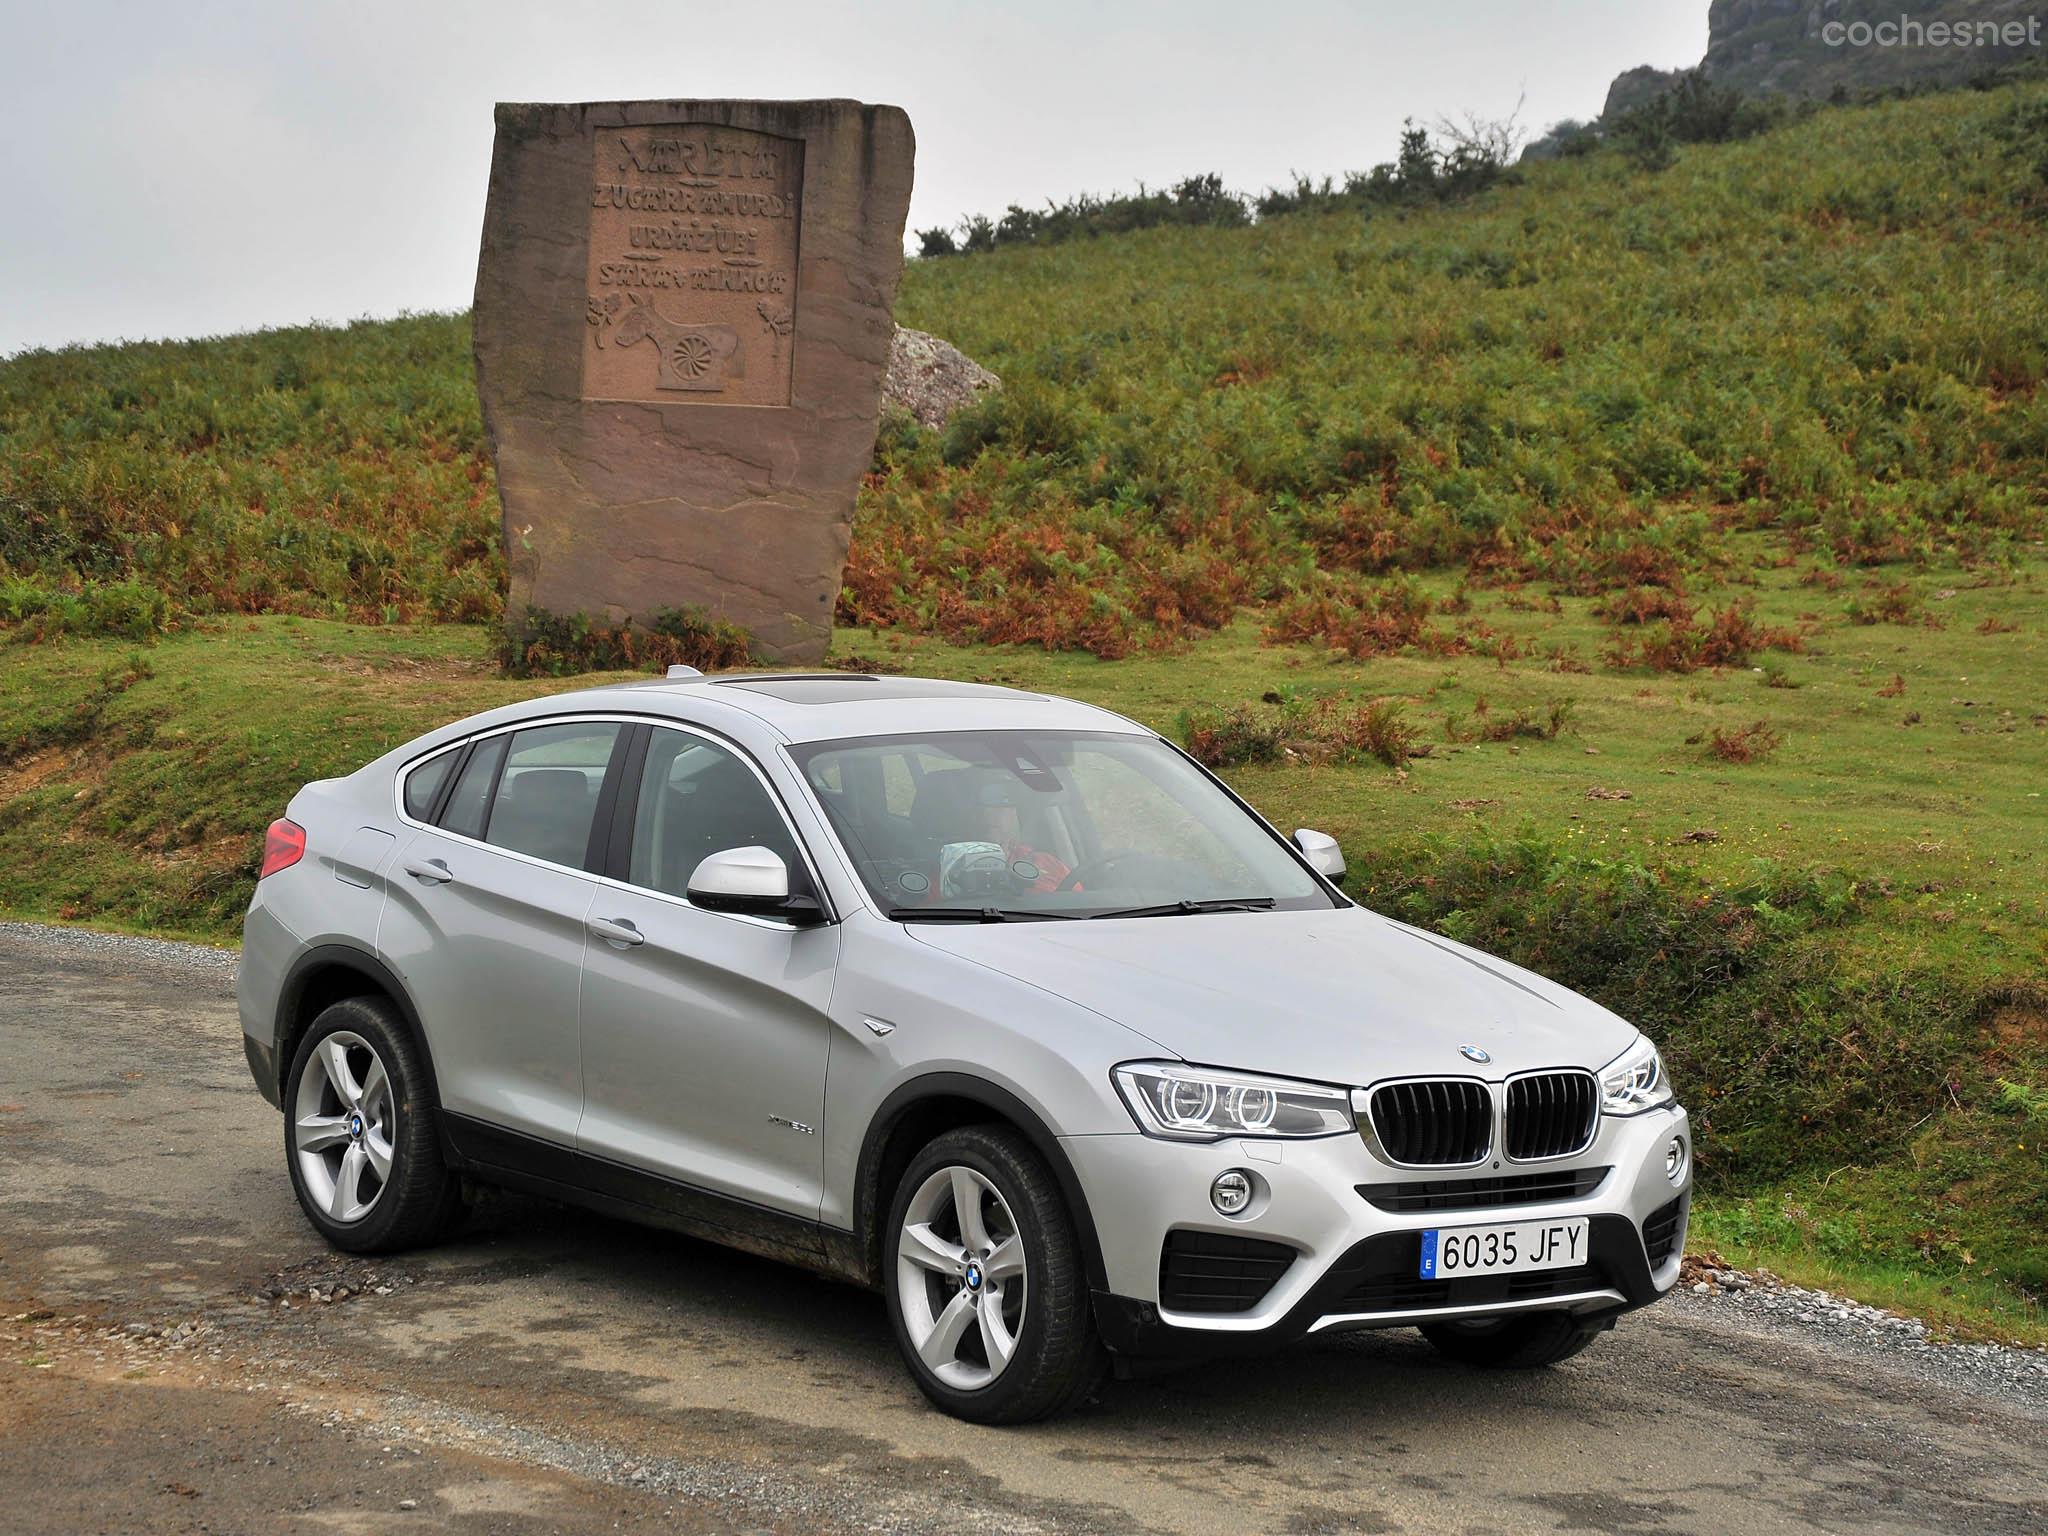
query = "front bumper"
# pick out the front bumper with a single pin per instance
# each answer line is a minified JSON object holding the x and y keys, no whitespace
{"x":1354,"y":1264}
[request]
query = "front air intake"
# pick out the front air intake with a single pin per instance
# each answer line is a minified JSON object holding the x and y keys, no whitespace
{"x":1215,"y":1272}
{"x":1437,"y":1122}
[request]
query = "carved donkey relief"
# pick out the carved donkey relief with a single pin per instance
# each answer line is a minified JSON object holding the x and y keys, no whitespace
{"x":698,"y":357}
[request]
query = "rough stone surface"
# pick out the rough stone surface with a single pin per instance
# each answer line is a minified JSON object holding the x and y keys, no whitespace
{"x":1634,"y":87}
{"x":1791,"y":47}
{"x":931,"y":379}
{"x":683,"y":316}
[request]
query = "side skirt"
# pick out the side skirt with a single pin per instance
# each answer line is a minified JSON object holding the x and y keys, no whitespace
{"x":491,"y":1154}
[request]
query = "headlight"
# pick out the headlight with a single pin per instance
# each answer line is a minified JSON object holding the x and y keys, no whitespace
{"x":1197,"y":1104}
{"x":1634,"y":1081}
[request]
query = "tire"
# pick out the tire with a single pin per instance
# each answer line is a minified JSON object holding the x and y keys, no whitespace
{"x":1042,"y":1308}
{"x":389,"y":1119}
{"x":1511,"y":1343}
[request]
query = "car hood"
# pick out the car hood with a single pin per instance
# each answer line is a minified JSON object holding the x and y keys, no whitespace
{"x":1343,"y":996}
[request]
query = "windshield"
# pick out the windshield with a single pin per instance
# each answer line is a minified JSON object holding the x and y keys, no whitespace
{"x":1045,"y":824}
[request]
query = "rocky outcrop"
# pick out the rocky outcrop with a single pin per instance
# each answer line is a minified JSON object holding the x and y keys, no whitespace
{"x":1812,"y":48}
{"x":932,"y":379}
{"x":1633,"y":87}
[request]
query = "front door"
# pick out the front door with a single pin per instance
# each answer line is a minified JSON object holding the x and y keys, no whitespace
{"x":704,"y":1033}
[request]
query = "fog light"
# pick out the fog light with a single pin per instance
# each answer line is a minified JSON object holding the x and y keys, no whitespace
{"x":1231,"y":1192}
{"x":1674,"y":1160}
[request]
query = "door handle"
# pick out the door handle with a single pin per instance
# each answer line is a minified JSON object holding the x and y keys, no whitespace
{"x":615,"y":931}
{"x":432,"y":871}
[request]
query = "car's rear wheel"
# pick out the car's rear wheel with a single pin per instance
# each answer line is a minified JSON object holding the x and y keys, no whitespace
{"x":359,"y":1132}
{"x":1510,"y":1343}
{"x":987,"y":1293}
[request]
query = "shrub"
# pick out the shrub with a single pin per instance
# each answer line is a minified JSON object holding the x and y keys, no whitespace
{"x":1358,"y":619}
{"x":1786,"y":1059}
{"x":1525,"y":724}
{"x":1233,"y":736}
{"x":1746,"y":744}
{"x":562,"y":645}
{"x":1283,"y":727}
{"x":1729,"y":639}
{"x":32,"y":609}
{"x":1897,"y":603}
{"x":1378,"y":729}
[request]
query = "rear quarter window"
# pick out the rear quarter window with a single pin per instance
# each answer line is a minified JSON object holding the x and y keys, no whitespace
{"x":424,"y":783}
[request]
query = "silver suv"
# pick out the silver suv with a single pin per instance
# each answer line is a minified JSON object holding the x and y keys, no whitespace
{"x":996,"y":1002}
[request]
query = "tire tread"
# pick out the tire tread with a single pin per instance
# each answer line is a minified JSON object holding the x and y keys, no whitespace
{"x":424,"y":1199}
{"x":1067,"y":1361}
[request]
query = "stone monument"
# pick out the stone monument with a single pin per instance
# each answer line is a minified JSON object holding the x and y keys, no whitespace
{"x":683,"y":316}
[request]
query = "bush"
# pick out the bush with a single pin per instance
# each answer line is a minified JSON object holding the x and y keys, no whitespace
{"x":1730,"y":638}
{"x":563,"y":645}
{"x":128,"y":610}
{"x":1786,"y":1061}
{"x":1284,"y":727}
{"x":1231,"y":737}
{"x":1695,"y":110}
{"x":1746,"y":744}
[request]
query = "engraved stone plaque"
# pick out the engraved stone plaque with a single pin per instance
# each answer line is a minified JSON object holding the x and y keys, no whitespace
{"x":684,"y":310}
{"x":693,"y":265}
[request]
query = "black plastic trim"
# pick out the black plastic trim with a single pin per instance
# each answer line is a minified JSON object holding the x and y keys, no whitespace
{"x":618,"y":852}
{"x":263,"y":1067}
{"x":868,"y":1201}
{"x":1487,"y":1193}
{"x":597,"y":847}
{"x":447,"y":789}
{"x":500,"y":1156}
{"x":351,"y":957}
{"x":1219,"y":1272}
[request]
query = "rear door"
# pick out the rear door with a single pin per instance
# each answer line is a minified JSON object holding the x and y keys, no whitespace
{"x":485,"y":921}
{"x":705,"y":1033}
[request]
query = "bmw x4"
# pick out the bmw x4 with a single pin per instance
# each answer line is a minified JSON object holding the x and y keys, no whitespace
{"x":996,"y":1003}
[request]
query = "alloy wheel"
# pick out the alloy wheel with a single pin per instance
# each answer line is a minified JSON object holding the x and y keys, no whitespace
{"x":342,"y":1125}
{"x":961,"y":1278}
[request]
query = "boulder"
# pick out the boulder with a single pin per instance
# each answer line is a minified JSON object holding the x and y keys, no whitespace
{"x":932,"y":379}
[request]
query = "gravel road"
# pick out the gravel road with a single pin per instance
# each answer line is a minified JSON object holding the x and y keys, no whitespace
{"x":179,"y":1352}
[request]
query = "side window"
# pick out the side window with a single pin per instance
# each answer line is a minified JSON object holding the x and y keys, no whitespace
{"x":547,"y":795}
{"x":696,"y":798}
{"x":471,"y":798}
{"x":425,"y":781}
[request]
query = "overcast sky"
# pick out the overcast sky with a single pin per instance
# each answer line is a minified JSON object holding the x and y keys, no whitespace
{"x":181,"y":168}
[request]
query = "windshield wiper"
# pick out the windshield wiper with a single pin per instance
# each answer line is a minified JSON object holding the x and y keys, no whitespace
{"x":1184,"y":907}
{"x":974,"y":915}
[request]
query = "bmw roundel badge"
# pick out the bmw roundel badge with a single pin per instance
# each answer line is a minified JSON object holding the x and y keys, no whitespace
{"x":1474,"y":1053}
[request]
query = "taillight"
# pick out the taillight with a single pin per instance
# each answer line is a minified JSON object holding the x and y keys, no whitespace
{"x":283,"y":846}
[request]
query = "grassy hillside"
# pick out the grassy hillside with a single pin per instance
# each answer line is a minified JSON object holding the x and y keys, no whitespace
{"x":1642,"y":574}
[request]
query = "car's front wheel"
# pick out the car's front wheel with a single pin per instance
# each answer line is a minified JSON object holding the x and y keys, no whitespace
{"x":1510,"y":1343}
{"x":987,"y":1291}
{"x":359,"y":1134}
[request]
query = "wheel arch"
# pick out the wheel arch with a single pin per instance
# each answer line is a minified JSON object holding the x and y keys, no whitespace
{"x":929,"y":1106}
{"x":331,"y":973}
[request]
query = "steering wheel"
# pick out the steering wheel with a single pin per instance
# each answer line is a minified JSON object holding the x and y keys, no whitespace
{"x":1108,"y":861}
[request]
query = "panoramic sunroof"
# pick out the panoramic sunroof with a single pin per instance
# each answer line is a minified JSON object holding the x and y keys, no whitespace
{"x":848,"y":687}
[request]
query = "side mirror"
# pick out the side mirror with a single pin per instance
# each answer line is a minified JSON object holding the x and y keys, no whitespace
{"x":1322,"y":853}
{"x":753,"y":882}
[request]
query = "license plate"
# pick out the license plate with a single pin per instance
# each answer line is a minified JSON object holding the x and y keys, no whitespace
{"x":1448,"y":1252}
